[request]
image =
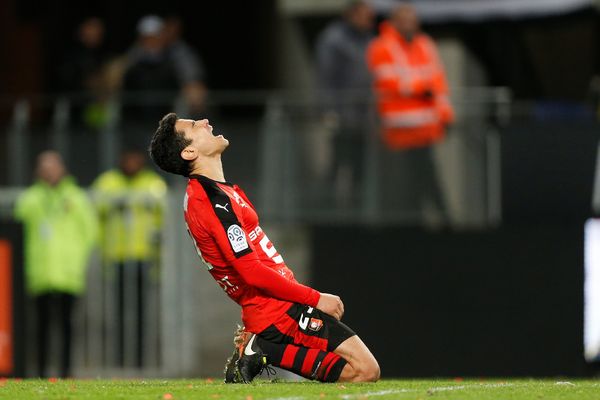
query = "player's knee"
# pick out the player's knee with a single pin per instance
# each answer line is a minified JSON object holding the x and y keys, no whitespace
{"x":373,"y":372}
{"x":368,"y":372}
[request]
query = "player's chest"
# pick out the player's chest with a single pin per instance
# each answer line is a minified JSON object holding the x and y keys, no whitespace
{"x":242,"y":208}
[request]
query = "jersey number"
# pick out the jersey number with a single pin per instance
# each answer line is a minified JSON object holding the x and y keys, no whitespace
{"x":303,"y":321}
{"x":270,"y":250}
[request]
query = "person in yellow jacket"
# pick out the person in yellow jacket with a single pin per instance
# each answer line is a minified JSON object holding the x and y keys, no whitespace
{"x":60,"y":229}
{"x":130,"y":202}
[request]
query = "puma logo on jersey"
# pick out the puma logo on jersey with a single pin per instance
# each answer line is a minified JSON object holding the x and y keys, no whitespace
{"x":223,"y":207}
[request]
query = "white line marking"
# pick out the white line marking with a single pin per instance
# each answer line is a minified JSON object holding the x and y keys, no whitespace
{"x":447,"y":388}
{"x":286,"y":398}
{"x":380,"y":393}
{"x":398,"y":391}
{"x":429,"y":390}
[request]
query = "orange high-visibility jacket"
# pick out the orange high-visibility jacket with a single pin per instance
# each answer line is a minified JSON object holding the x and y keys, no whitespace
{"x":411,"y":89}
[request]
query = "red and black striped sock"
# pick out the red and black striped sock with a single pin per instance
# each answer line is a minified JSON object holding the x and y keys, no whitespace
{"x":309,"y":363}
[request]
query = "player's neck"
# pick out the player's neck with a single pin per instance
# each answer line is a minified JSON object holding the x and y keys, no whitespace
{"x":211,"y":168}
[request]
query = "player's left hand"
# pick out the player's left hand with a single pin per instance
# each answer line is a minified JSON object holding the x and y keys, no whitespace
{"x":332,"y":305}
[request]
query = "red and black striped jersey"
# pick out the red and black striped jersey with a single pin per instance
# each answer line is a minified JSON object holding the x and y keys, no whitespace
{"x":225,"y":229}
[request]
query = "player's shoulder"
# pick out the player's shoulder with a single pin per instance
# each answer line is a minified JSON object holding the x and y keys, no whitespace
{"x":203,"y":188}
{"x":196,"y":205}
{"x":204,"y":192}
{"x":195,"y":192}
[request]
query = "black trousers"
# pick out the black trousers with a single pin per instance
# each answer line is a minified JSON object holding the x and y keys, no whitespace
{"x":348,"y":165}
{"x":54,"y":310}
{"x":409,"y":177}
{"x":132,"y":275}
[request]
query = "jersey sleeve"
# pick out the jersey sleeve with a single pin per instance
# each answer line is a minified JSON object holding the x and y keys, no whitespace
{"x":227,"y":229}
{"x":235,"y":245}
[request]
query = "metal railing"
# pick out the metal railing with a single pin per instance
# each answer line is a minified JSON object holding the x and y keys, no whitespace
{"x":288,"y":152}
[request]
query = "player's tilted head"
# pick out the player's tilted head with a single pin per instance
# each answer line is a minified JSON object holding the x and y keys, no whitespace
{"x":166,"y":147}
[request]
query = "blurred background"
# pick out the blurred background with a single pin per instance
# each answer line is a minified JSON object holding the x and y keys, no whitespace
{"x":472,"y":252}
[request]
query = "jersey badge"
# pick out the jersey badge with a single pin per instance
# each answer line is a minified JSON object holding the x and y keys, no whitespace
{"x":315,"y":324}
{"x":237,"y":238}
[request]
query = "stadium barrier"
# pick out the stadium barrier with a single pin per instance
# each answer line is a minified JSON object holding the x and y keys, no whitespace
{"x":283,"y":151}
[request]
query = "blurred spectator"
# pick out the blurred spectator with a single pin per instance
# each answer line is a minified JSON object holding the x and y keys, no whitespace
{"x":413,"y":105}
{"x":83,"y":73}
{"x":345,"y":81}
{"x":130,"y":201}
{"x":60,"y":229}
{"x":161,"y":62}
{"x":188,"y":66}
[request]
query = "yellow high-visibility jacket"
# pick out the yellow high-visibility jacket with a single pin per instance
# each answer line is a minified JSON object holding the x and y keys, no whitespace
{"x":130,"y":210}
{"x":60,"y":229}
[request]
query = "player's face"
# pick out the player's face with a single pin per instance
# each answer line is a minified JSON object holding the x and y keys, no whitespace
{"x":200,"y":132}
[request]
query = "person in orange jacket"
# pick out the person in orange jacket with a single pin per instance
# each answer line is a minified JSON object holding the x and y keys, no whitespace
{"x":410,"y":83}
{"x":412,"y":102}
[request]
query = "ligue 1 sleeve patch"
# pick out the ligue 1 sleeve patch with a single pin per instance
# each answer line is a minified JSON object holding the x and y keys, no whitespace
{"x":237,"y":238}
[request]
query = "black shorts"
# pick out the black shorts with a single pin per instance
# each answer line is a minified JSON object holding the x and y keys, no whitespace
{"x":309,"y":327}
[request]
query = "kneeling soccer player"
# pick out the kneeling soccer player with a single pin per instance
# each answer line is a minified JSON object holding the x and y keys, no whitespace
{"x":287,"y":324}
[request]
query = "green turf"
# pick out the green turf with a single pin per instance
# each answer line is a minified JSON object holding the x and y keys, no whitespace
{"x":534,"y":389}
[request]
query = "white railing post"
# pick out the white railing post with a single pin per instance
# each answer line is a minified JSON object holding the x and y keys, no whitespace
{"x":60,"y":127}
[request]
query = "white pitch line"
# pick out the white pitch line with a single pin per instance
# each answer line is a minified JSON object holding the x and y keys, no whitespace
{"x":446,"y":388}
{"x":433,"y":389}
{"x":379,"y":393}
{"x":398,"y":391}
{"x":286,"y":398}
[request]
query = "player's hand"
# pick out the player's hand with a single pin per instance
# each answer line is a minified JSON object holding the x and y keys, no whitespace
{"x":332,"y":305}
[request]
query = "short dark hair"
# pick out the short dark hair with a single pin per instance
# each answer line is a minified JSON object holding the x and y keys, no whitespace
{"x":166,"y":147}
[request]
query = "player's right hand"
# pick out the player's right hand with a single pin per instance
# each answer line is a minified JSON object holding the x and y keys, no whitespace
{"x":332,"y":305}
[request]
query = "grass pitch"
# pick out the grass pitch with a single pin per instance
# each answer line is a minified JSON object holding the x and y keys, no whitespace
{"x":213,"y":389}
